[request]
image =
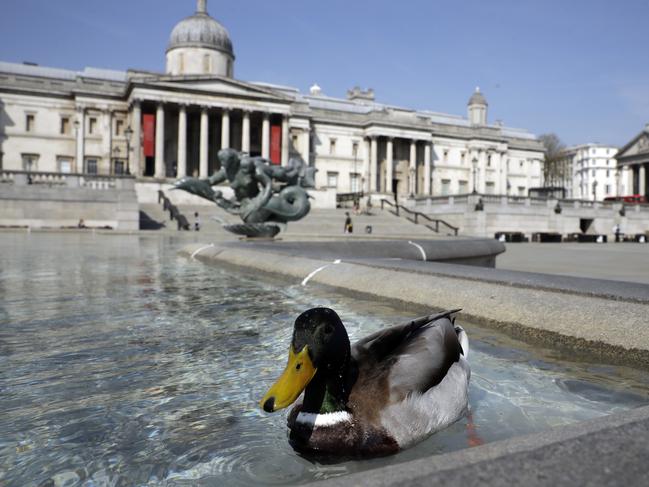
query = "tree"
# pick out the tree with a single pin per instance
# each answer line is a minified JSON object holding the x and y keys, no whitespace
{"x":553,"y":169}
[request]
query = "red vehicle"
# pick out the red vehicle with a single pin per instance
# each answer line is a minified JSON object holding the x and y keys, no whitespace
{"x":632,"y":199}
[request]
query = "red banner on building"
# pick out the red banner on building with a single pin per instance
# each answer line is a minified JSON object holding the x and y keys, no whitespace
{"x":276,"y":144}
{"x":148,"y":129}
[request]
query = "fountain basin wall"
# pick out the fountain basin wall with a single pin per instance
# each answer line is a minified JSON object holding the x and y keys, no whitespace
{"x":602,"y":319}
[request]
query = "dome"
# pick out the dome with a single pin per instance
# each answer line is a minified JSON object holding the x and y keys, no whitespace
{"x":477,"y":98}
{"x":201,"y":30}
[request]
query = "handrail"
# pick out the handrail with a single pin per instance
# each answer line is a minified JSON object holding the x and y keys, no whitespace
{"x":174,"y":213}
{"x":417,"y":215}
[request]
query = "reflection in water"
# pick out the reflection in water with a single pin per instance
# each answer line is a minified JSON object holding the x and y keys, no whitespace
{"x":124,"y":364}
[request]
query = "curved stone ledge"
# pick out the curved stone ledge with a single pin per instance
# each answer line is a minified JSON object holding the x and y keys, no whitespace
{"x":599,"y":327}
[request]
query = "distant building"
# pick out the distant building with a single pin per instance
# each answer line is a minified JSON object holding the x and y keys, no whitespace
{"x":77,"y":122}
{"x":589,"y":172}
{"x":633,"y":162}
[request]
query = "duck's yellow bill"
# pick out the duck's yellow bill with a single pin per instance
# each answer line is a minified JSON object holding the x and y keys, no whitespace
{"x":298,"y":373}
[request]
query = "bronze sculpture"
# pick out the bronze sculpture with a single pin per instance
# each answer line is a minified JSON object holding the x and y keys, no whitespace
{"x":264,"y":194}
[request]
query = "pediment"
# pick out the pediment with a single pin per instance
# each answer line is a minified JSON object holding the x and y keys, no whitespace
{"x":218,"y":85}
{"x":639,"y":145}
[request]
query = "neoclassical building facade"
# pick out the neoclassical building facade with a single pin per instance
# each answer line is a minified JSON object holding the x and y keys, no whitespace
{"x":162,"y":126}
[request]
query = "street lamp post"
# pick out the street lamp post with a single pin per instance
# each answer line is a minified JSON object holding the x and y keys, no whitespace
{"x":128,"y":133}
{"x":595,"y":190}
{"x":475,"y":175}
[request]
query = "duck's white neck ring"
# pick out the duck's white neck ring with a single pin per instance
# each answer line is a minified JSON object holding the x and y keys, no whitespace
{"x":326,"y":419}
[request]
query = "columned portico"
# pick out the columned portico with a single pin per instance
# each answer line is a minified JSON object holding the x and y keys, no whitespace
{"x":159,"y":142}
{"x":203,"y":167}
{"x":182,"y":142}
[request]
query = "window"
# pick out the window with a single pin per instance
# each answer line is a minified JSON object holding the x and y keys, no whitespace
{"x":181,"y":63}
{"x":332,"y":146}
{"x":608,"y":189}
{"x":65,"y":125}
{"x":65,"y":164}
{"x":489,"y":160}
{"x":91,"y":166}
{"x":446,"y":186}
{"x":294,"y":140}
{"x":29,"y":122}
{"x":521,"y":191}
{"x":355,"y":149}
{"x":118,"y":167}
{"x":593,"y":172}
{"x":332,"y":179}
{"x":463,"y":187}
{"x":608,"y":173}
{"x":520,"y":163}
{"x":355,"y":182}
{"x":30,"y":162}
{"x":490,"y":187}
{"x":119,"y":127}
{"x":92,"y":125}
{"x":462,"y":157}
{"x":446,"y":156}
{"x":207,"y":64}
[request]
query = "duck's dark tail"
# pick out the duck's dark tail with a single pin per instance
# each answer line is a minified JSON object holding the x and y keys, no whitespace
{"x":463,"y":339}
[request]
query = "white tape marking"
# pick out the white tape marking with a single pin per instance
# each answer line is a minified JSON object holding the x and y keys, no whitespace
{"x":198,"y":251}
{"x":308,"y":278}
{"x":421,"y":249}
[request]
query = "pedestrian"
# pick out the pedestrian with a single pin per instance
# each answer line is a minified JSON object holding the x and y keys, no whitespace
{"x":349,"y":228}
{"x":197,"y":222}
{"x":616,"y":231}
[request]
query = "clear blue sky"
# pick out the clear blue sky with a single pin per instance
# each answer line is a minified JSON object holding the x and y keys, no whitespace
{"x":579,"y":68}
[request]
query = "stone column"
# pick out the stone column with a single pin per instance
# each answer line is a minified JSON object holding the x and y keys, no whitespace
{"x":285,"y":140}
{"x":427,"y":170}
{"x":182,"y":142}
{"x":643,"y":179}
{"x":265,"y":137}
{"x":482,"y":168}
{"x":245,"y":132}
{"x":390,"y":166}
{"x":108,"y":140}
{"x":412,"y":169}
{"x":136,"y":143}
{"x":160,"y":170}
{"x":366,"y":165}
{"x":81,"y":139}
{"x":203,"y":165}
{"x":374,"y":163}
{"x":225,"y":129}
{"x":504,"y":175}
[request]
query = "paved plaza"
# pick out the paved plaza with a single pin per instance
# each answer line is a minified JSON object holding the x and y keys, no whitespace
{"x":619,"y":262}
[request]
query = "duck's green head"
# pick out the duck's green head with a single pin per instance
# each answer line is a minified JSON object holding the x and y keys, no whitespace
{"x":319,"y":342}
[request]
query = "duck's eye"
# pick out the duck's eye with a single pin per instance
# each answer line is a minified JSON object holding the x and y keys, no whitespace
{"x":298,"y":366}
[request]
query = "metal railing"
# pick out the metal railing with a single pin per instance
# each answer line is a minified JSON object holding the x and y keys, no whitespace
{"x":415,"y":216}
{"x":174,"y":212}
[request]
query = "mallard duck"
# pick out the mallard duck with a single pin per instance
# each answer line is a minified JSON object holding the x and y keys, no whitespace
{"x":389,"y":391}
